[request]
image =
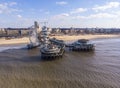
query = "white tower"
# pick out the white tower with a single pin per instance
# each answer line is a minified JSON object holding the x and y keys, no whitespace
{"x":33,"y":35}
{"x":45,"y":35}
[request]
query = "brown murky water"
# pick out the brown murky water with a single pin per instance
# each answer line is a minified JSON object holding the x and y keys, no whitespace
{"x":99,"y":69}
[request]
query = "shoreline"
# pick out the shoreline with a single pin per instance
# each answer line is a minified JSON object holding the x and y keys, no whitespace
{"x":25,"y":40}
{"x":14,"y":41}
{"x":87,"y":36}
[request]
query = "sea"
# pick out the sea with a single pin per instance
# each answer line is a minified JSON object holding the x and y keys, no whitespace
{"x":22,"y":68}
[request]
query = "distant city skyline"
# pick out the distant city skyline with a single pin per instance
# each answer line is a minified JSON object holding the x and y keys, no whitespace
{"x":60,"y":13}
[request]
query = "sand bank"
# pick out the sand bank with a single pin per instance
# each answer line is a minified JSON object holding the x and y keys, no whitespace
{"x":25,"y":40}
{"x":75,"y":37}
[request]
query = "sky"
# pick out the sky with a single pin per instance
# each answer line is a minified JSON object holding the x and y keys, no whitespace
{"x":60,"y":13}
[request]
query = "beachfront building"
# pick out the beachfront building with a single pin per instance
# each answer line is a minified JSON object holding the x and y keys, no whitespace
{"x":55,"y":31}
{"x":2,"y":32}
{"x":17,"y":31}
{"x":20,"y":32}
{"x":13,"y":32}
{"x":71,"y":31}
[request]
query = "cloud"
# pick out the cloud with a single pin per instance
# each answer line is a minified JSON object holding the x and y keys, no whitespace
{"x":107,"y":6}
{"x":65,"y":14}
{"x":19,"y":16}
{"x":103,"y":15}
{"x":98,"y":15}
{"x":60,"y":16}
{"x":78,"y":10}
{"x":47,"y":12}
{"x":43,"y":11}
{"x":8,"y":7}
{"x":61,"y":3}
{"x":117,"y":12}
{"x":12,"y":3}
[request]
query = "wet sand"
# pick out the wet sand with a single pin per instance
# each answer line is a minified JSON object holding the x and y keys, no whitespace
{"x":86,"y":36}
{"x":23,"y":68}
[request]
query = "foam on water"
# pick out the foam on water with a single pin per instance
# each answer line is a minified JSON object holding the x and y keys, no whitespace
{"x":3,"y":48}
{"x":104,"y":40}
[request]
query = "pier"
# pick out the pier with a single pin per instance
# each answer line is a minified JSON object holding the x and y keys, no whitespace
{"x":81,"y":45}
{"x":52,"y":47}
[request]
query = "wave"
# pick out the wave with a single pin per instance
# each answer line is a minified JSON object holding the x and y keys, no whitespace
{"x":106,"y":40}
{"x":3,"y":48}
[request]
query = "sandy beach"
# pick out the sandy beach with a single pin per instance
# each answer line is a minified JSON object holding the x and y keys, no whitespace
{"x":25,"y":40}
{"x":75,"y":37}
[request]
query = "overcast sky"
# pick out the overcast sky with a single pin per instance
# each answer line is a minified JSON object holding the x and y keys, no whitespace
{"x":60,"y":13}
